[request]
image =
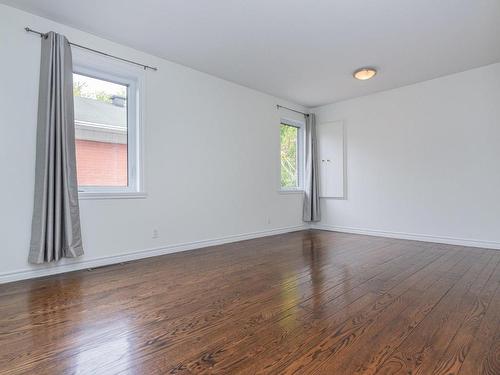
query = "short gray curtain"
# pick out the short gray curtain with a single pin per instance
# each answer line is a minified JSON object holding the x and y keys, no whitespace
{"x":311,"y":211}
{"x":55,"y":230}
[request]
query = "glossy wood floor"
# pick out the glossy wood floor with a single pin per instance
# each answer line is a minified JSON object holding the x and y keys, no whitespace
{"x":308,"y":302}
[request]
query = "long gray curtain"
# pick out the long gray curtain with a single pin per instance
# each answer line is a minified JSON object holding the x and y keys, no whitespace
{"x":311,"y":211}
{"x":55,"y":230}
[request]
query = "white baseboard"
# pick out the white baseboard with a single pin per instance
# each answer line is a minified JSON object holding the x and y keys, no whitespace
{"x":411,"y":236}
{"x":68,"y":265}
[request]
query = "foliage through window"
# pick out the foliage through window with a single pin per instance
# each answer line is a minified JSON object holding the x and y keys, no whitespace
{"x":289,"y":150}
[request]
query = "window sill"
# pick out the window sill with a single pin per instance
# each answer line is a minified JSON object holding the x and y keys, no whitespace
{"x":111,"y":195}
{"x":291,"y":191}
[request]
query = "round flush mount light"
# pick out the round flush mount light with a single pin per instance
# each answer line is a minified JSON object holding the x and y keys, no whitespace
{"x":364,"y":73}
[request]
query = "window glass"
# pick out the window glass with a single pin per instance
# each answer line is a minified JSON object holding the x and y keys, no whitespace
{"x":289,"y":136}
{"x":101,"y":132}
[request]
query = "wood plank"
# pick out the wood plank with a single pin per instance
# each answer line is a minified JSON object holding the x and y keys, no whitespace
{"x":458,"y":348}
{"x":394,"y":324}
{"x":483,"y":356}
{"x":283,"y":321}
{"x":302,"y":302}
{"x":423,"y":347}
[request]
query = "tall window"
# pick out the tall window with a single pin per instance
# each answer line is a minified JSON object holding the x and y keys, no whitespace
{"x":106,"y":132}
{"x":291,"y":155}
{"x":101,"y":132}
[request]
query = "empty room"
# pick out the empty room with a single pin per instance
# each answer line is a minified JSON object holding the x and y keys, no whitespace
{"x":250,"y":187}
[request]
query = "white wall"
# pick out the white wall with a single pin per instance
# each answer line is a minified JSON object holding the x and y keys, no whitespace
{"x":423,"y":160}
{"x":211,"y":158}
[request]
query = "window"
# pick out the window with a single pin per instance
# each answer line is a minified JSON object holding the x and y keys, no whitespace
{"x":291,"y":155}
{"x":106,"y":133}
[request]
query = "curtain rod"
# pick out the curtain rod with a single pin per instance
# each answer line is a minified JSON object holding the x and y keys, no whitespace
{"x":293,"y":110}
{"x":42,"y":35}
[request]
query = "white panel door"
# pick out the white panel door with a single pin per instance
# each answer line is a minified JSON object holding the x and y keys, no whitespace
{"x":330,"y":136}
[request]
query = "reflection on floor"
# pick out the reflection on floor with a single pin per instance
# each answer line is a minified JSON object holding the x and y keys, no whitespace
{"x":308,"y":302}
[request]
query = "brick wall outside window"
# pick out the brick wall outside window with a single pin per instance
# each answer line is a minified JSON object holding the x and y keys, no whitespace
{"x":101,"y":163}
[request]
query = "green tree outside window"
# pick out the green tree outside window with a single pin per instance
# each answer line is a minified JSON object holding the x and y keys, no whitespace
{"x":289,"y":138}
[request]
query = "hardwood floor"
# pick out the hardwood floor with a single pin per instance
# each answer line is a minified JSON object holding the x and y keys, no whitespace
{"x":308,"y":302}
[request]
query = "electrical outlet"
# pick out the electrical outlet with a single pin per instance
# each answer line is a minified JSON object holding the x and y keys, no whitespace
{"x":155,"y":234}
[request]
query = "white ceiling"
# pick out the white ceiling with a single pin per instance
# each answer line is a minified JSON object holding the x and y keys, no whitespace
{"x":304,"y":51}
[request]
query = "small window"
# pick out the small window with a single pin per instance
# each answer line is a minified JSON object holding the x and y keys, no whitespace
{"x":106,"y":133}
{"x":291,"y":155}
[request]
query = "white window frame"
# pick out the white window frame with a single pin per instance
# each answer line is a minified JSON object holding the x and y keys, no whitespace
{"x":301,"y":126}
{"x":92,"y":65}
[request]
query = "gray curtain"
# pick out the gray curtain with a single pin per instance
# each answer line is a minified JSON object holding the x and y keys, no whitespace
{"x":311,"y":197}
{"x":55,"y":230}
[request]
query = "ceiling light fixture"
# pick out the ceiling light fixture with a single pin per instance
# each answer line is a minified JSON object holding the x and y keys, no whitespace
{"x":364,"y":73}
